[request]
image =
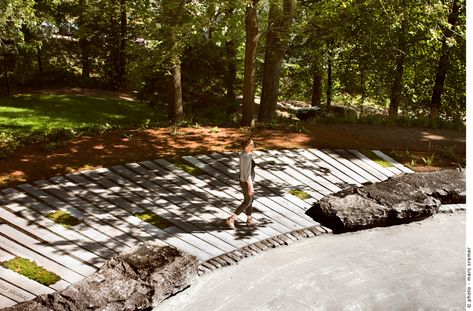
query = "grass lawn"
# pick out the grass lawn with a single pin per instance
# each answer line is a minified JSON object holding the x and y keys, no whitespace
{"x":24,"y":114}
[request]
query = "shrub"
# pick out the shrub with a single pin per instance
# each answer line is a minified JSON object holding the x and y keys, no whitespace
{"x":8,"y":145}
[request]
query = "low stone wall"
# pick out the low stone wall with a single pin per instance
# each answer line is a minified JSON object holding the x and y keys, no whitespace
{"x":136,"y":279}
{"x":400,"y":199}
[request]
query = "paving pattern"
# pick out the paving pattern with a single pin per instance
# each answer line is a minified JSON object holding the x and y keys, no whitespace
{"x":107,"y":201}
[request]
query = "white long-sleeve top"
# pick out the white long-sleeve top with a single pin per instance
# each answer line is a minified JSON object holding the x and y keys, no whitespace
{"x":247,"y":172}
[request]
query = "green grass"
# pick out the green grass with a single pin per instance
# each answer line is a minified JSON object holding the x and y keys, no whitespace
{"x":31,"y":270}
{"x":63,"y":218}
{"x":154,"y":219}
{"x":370,"y":154}
{"x":300,"y":194}
{"x":26,"y":114}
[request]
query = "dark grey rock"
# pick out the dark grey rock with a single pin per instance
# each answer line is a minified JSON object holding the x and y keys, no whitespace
{"x":449,"y":186}
{"x":400,"y":199}
{"x":135,"y":279}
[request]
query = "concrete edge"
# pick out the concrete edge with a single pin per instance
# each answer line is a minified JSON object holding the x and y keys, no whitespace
{"x":235,"y":256}
{"x":450,"y":209}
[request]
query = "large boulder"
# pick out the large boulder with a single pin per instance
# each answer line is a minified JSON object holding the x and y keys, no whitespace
{"x":400,"y":199}
{"x":134,"y":280}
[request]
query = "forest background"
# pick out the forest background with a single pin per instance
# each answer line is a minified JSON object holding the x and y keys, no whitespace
{"x":404,"y":55}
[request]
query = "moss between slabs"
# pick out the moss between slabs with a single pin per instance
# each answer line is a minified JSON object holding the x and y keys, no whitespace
{"x":188,"y":167}
{"x":300,"y":194}
{"x":370,"y":154}
{"x":31,"y":270}
{"x":63,"y":218}
{"x":154,"y":219}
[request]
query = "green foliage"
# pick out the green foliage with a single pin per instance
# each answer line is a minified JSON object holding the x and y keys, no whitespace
{"x":8,"y":144}
{"x":384,"y":120}
{"x":214,"y":130}
{"x":63,"y":218}
{"x":175,"y":131}
{"x":429,"y":160}
{"x":134,"y":45}
{"x":31,"y":270}
{"x":153,"y":219}
{"x":449,"y":152}
{"x":300,"y":194}
{"x":16,"y":17}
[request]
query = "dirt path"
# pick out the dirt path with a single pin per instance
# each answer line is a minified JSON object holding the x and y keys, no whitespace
{"x":31,"y":163}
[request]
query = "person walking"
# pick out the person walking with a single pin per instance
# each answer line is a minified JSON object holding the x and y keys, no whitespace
{"x":247,"y":178}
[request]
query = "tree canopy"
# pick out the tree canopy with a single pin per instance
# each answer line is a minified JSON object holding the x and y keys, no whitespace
{"x":408,"y":56}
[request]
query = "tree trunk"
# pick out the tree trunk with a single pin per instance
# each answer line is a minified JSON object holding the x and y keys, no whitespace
{"x":396,"y":87}
{"x":40,"y":62}
{"x":7,"y":76}
{"x":329,"y":74}
{"x":251,"y":44}
{"x":231,"y":70}
{"x":84,"y":45}
{"x":317,"y":87}
{"x":175,"y":108}
{"x":121,"y":70}
{"x":363,"y":91}
{"x":277,"y":39}
{"x":85,"y":58}
{"x":443,"y":65}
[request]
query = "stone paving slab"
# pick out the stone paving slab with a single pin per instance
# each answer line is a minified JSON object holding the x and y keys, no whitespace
{"x":106,"y":201}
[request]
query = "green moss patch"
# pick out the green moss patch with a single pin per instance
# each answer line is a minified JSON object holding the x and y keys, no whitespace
{"x":188,"y":167}
{"x":370,"y":154}
{"x":64,"y":218}
{"x":154,"y":219}
{"x":300,"y":194}
{"x":31,"y":270}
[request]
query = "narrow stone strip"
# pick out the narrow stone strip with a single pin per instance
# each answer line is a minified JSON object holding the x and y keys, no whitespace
{"x":235,"y":256}
{"x":451,"y":208}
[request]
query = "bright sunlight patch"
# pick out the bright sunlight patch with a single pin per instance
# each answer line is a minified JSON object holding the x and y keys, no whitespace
{"x":26,"y":114}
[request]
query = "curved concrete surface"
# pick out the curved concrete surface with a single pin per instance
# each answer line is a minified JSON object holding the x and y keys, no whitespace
{"x":419,"y":266}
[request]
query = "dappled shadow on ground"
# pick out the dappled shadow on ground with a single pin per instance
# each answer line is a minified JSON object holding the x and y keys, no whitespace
{"x":119,"y":147}
{"x":362,"y":136}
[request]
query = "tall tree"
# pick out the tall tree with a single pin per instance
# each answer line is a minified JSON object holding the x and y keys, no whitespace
{"x":329,"y":73}
{"x":281,"y":13}
{"x":443,"y":62}
{"x":251,"y":44}
{"x":173,"y":17}
{"x":396,"y":85}
{"x":317,"y":77}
